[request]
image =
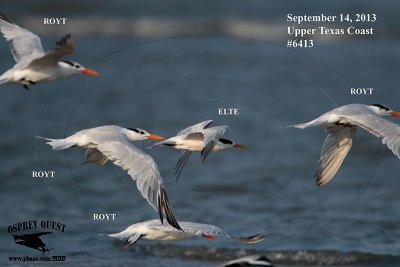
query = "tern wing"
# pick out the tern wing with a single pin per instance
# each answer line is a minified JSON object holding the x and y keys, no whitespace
{"x":133,"y":239}
{"x":212,"y":231}
{"x":195,"y":136}
{"x":181,"y":163}
{"x":25,"y":45}
{"x":195,"y":128}
{"x":253,"y":260}
{"x":129,"y":235}
{"x":380,"y":127}
{"x":336,"y":146}
{"x":63,"y":47}
{"x":202,"y":230}
{"x":252,"y":239}
{"x":92,"y":155}
{"x":142,"y":168}
{"x":211,"y":136}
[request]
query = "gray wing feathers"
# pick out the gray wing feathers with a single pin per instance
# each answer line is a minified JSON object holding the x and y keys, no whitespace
{"x":200,"y":229}
{"x":127,"y":236}
{"x":63,"y":47}
{"x":206,"y":151}
{"x":195,"y":128}
{"x":133,"y":239}
{"x":211,"y":136}
{"x":380,"y":127}
{"x":253,"y":239}
{"x":214,"y":133}
{"x":181,"y":163}
{"x":92,"y":155}
{"x":336,"y":146}
{"x":207,"y":230}
{"x":25,"y":45}
{"x":138,"y":165}
{"x":195,"y":136}
{"x":142,"y":168}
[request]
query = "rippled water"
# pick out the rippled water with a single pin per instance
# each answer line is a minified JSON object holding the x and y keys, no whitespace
{"x":167,"y":84}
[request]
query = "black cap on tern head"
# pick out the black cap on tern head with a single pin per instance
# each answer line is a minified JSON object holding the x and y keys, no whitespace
{"x":381,"y":106}
{"x":137,"y":130}
{"x":225,"y":141}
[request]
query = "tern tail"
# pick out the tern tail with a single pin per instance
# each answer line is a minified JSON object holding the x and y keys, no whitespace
{"x":303,"y":125}
{"x":300,"y":126}
{"x":58,"y":144}
{"x":3,"y":79}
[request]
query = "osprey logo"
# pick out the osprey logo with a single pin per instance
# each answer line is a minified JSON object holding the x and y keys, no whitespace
{"x":34,"y":234}
{"x":32,"y":241}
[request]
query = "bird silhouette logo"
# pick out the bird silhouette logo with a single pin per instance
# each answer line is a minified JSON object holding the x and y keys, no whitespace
{"x":32,"y":241}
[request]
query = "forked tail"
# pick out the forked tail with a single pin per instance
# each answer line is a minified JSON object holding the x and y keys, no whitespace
{"x":300,"y":126}
{"x":3,"y":79}
{"x":306,"y":125}
{"x":6,"y":77}
{"x":58,"y":144}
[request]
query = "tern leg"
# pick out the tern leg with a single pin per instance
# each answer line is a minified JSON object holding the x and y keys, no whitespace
{"x":23,"y":81}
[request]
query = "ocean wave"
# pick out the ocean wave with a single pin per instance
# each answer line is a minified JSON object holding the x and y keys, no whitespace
{"x":295,"y":257}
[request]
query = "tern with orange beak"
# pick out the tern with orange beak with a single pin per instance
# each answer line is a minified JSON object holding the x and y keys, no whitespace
{"x":341,"y":125}
{"x":154,"y":230}
{"x":198,"y":138}
{"x":33,"y":64}
{"x":113,"y":143}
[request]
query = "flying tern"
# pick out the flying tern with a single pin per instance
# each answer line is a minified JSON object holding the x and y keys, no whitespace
{"x":33,"y":64}
{"x":154,"y":230}
{"x":113,"y":143}
{"x":198,"y":138}
{"x":252,"y":260}
{"x":341,"y":125}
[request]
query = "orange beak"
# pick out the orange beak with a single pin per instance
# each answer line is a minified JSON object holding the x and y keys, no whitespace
{"x":240,"y":146}
{"x":155,"y":137}
{"x":395,"y":113}
{"x":90,"y":72}
{"x":208,"y":236}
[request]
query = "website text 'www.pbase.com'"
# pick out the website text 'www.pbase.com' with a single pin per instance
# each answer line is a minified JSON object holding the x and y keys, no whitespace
{"x":28,"y":258}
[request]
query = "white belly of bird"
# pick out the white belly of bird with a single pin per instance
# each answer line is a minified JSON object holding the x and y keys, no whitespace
{"x":192,"y":145}
{"x":161,"y":235}
{"x":36,"y":75}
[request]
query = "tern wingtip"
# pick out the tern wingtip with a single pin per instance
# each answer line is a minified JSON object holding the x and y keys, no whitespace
{"x":4,"y":17}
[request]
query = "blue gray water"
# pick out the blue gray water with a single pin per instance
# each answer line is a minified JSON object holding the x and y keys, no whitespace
{"x":166,"y":84}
